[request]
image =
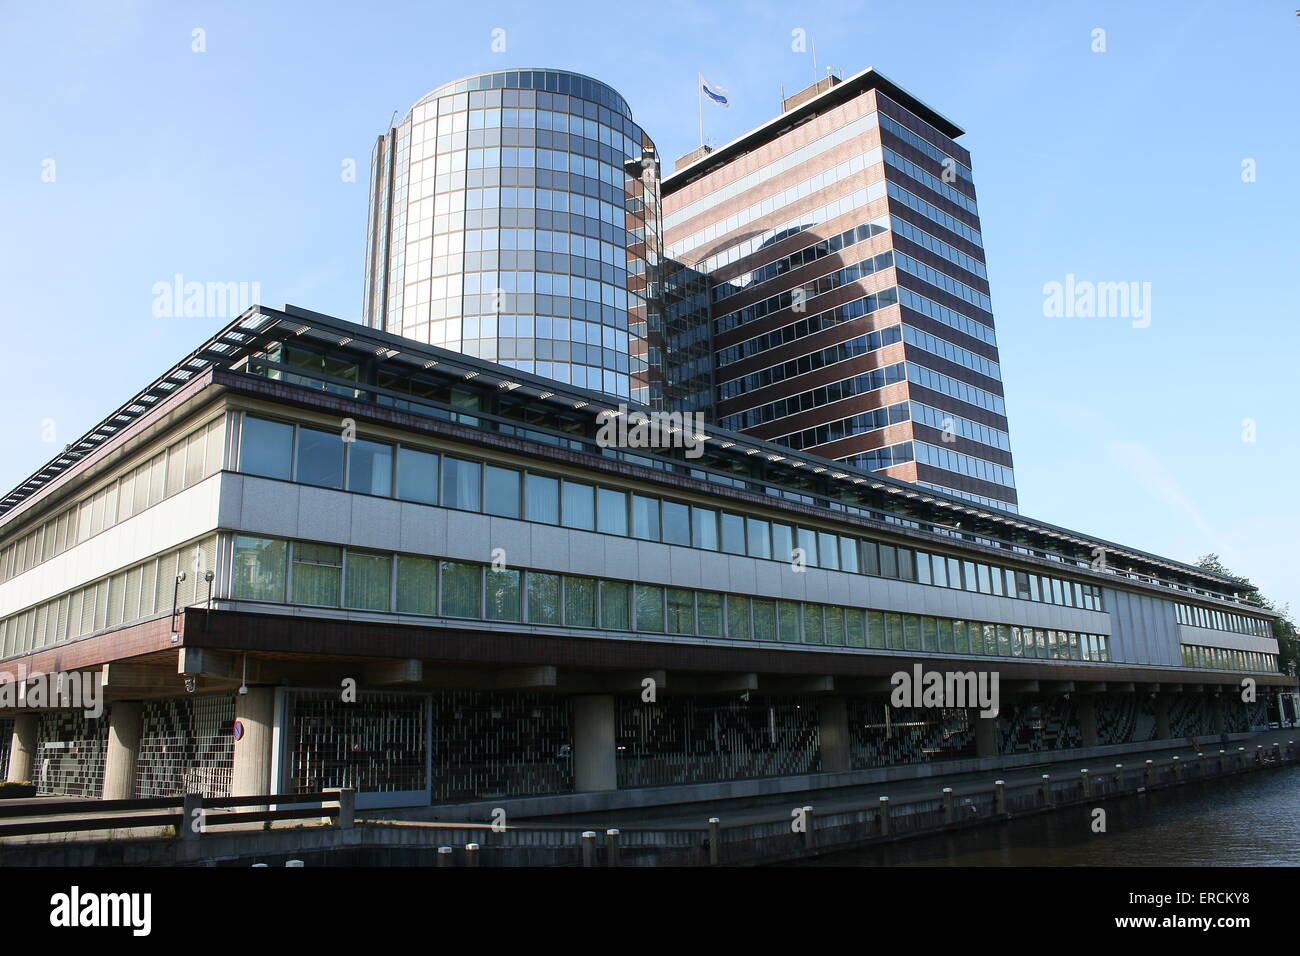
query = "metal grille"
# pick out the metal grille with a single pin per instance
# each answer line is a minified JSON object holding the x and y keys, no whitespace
{"x":489,"y":745}
{"x":6,"y":741}
{"x":186,"y":747}
{"x":377,"y":744}
{"x":696,"y":740}
{"x":1032,"y":724}
{"x":882,"y":735}
{"x":70,"y":754}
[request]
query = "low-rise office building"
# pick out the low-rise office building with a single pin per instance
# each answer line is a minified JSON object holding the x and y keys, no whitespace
{"x":314,"y":554}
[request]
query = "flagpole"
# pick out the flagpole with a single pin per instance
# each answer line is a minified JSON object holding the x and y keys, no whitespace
{"x":699,"y":102}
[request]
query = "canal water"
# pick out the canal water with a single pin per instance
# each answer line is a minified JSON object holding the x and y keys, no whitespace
{"x":1247,"y":820}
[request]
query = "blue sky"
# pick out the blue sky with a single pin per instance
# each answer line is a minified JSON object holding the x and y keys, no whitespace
{"x":1117,"y":166}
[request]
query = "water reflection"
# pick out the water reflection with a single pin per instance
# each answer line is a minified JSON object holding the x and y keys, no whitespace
{"x":1249,"y":820}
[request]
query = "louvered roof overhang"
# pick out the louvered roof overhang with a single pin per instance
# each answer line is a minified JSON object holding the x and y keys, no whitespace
{"x":259,"y":326}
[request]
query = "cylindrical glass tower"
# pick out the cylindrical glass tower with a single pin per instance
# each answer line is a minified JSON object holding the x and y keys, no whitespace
{"x":504,"y":224}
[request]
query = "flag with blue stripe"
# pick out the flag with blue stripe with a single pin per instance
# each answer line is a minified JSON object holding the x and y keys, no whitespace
{"x":716,"y":93}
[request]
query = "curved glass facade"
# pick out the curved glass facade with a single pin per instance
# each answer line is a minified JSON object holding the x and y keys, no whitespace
{"x":503,"y":224}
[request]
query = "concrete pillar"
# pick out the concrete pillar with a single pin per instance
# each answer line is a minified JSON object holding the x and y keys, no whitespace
{"x":125,"y":718}
{"x":833,"y":734}
{"x":255,"y":715}
{"x":986,"y":735}
{"x":594,"y":752}
{"x":1163,"y":703}
{"x":1088,"y":720}
{"x":1218,"y":716}
{"x":22,"y":751}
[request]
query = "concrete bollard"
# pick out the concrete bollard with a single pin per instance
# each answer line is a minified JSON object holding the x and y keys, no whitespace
{"x":471,"y":854}
{"x":999,"y":796}
{"x":715,"y":841}
{"x":1259,"y":753}
{"x":884,"y":816}
{"x":444,"y":856}
{"x":1178,"y":769}
{"x":1119,"y":776}
{"x":947,"y":805}
{"x":347,"y":798}
{"x":1223,"y":761}
{"x":1202,"y":771}
{"x":611,"y":847}
{"x":1290,"y":749}
{"x":1241,"y":758}
{"x":589,"y":848}
{"x":191,"y":827}
{"x":1149,"y":772}
{"x":1087,"y":782}
{"x":809,"y":830}
{"x":1045,"y":788}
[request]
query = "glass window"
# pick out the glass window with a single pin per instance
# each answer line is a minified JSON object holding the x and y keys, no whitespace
{"x":764,"y":619}
{"x":870,"y":557}
{"x":849,"y":554}
{"x":503,"y":593}
{"x":960,"y":637}
{"x":579,"y":506}
{"x":834,"y":617}
{"x":677,"y":523}
{"x":888,"y":561}
{"x":788,"y":621}
{"x":461,"y":484}
{"x":911,"y":632}
{"x":370,"y":581}
{"x":462,"y":589}
{"x":923,"y":568}
{"x":759,"y":539}
{"x":855,"y":624}
{"x":738,"y":617}
{"x":939,"y":570}
{"x":969,"y":577}
{"x":649,"y":608}
{"x":704,"y":525}
{"x":417,"y":584}
{"x":907,"y":564}
{"x":320,"y":458}
{"x":814,"y":629}
{"x":1022,"y":585}
{"x":317,"y":574}
{"x":828,"y":551}
{"x":681,"y":611}
{"x":580,"y":602}
{"x":945,"y":635}
{"x":782,"y":542}
{"x":417,"y":476}
{"x":985,"y":585}
{"x":806,"y":539}
{"x":614,"y":605}
{"x":502,"y":490}
{"x":645,"y":517}
{"x":1004,"y":640}
{"x":733,"y":533}
{"x":1017,"y":643}
{"x":370,"y":467}
{"x":542,"y":499}
{"x":894,"y":631}
{"x":611,"y":511}
{"x":259,"y":568}
{"x":709,"y":612}
{"x":929,"y":634}
{"x":543,"y":598}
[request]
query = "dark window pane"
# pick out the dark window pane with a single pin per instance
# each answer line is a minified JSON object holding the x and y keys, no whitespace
{"x":501,"y":486}
{"x":370,"y":467}
{"x":733,"y":533}
{"x":265,"y":448}
{"x":417,"y":476}
{"x":320,"y":458}
{"x":460,"y":484}
{"x":677,"y":523}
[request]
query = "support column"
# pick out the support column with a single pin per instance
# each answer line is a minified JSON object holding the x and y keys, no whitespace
{"x":986,"y":735}
{"x":255,"y":713}
{"x":125,"y":718}
{"x":22,"y":750}
{"x":594,"y":752}
{"x":1163,"y":703}
{"x":1218,"y":716}
{"x":833,"y":734}
{"x":1088,"y":720}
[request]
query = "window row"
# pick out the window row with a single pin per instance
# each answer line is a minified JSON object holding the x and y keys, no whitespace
{"x":145,"y":590}
{"x":318,"y":457}
{"x":1227,"y":659}
{"x":1193,"y":615}
{"x":273,"y":570}
{"x":185,"y":463}
{"x":803,"y":257}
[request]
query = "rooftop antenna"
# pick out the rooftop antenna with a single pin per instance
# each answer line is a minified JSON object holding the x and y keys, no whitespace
{"x":814,"y":56}
{"x":782,"y":97}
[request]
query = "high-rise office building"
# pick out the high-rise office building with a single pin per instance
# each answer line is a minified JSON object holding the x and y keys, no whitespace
{"x":850,"y":301}
{"x":504,"y":225}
